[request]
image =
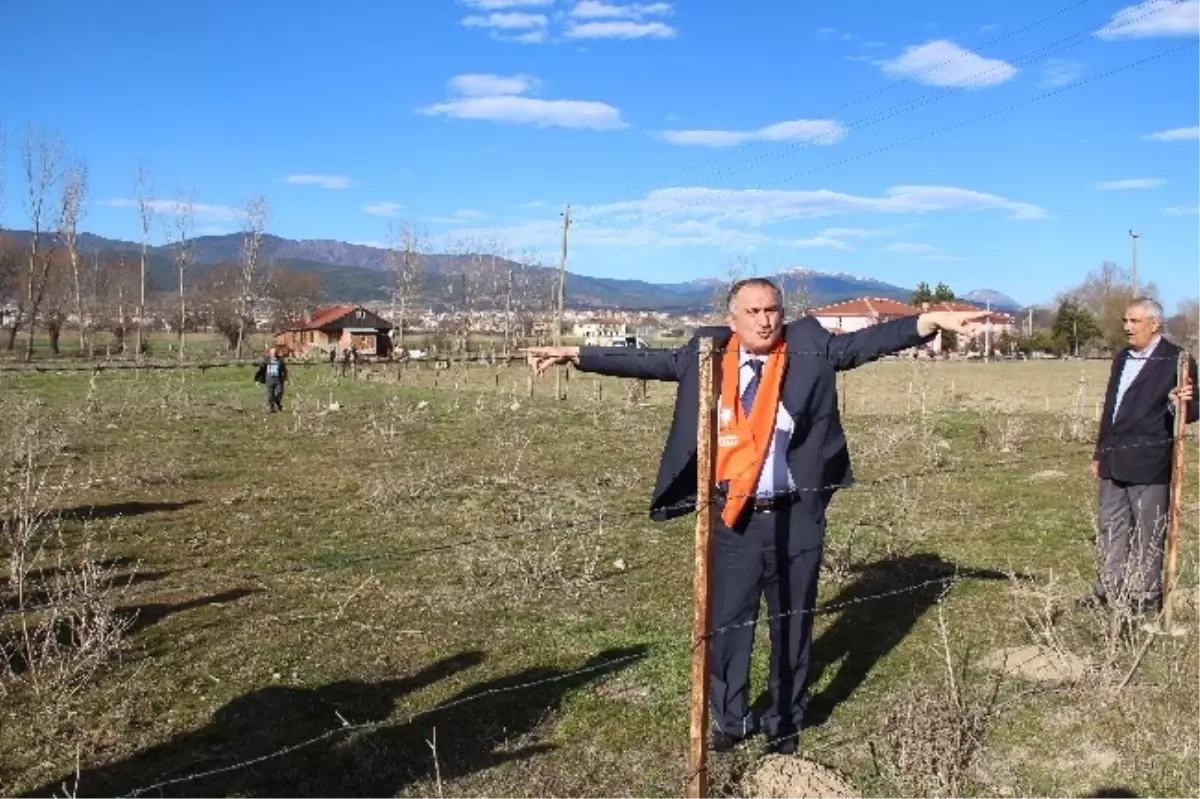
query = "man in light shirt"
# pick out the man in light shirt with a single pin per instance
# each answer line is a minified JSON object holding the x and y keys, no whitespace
{"x":1132,"y":461}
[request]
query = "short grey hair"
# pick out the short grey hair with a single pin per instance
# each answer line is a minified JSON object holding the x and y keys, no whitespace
{"x":1152,"y":307}
{"x":752,"y":281}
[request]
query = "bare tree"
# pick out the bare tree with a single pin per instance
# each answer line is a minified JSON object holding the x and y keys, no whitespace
{"x":145,"y":204}
{"x":179,"y":235}
{"x":41,"y":158}
{"x":255,"y":214}
{"x":1183,"y":326}
{"x":405,"y":247}
{"x":73,"y":196}
{"x":733,"y":271}
{"x":794,"y":288}
{"x":1106,"y":292}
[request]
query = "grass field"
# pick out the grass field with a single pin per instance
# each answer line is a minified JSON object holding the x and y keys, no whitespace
{"x":454,"y":588}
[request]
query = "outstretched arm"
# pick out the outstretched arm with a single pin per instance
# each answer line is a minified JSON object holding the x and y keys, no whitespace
{"x":613,"y":361}
{"x":848,"y":350}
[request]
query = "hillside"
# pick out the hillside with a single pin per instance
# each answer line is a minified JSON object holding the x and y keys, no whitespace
{"x":357,"y":273}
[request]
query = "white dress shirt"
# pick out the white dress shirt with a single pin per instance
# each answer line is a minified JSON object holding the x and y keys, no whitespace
{"x":1130,"y":370}
{"x":775,"y":475}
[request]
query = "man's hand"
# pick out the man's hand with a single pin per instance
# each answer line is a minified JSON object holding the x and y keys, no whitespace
{"x":1095,"y":470}
{"x":964,"y":322}
{"x":1181,"y":393}
{"x":542,"y":358}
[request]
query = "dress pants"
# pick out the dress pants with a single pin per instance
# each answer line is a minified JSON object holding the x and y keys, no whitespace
{"x":777,"y":554}
{"x":1133,"y":525}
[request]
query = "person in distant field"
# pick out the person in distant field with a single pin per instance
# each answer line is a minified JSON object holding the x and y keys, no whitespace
{"x":781,"y":454}
{"x":1132,"y":461}
{"x":273,"y":374}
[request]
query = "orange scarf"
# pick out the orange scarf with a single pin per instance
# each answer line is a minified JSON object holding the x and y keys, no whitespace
{"x":743,"y":441}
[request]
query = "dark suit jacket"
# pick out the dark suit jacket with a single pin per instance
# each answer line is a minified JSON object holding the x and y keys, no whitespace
{"x":1136,"y":446}
{"x":817,"y":456}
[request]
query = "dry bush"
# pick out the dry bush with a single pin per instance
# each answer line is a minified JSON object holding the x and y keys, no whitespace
{"x":564,"y":561}
{"x":59,"y":626}
{"x":932,"y":734}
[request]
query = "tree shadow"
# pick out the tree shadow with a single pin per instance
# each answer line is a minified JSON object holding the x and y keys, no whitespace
{"x":1114,"y":791}
{"x":116,"y":509}
{"x":138,"y":617}
{"x":296,"y":738}
{"x":39,"y":597}
{"x":867,"y":629}
{"x":143,"y":616}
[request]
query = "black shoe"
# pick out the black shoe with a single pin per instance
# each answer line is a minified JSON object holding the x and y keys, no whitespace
{"x":721,"y":741}
{"x":783,"y":746}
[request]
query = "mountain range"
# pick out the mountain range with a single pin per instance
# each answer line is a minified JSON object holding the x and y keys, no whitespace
{"x":358,"y":273}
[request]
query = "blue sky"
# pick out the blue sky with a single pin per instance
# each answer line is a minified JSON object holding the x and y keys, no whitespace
{"x":900,"y":141}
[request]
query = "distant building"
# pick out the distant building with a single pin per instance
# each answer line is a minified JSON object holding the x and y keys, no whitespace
{"x":599,"y":331}
{"x":340,"y":327}
{"x":851,"y":315}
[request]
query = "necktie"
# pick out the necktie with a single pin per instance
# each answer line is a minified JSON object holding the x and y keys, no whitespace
{"x":752,"y":386}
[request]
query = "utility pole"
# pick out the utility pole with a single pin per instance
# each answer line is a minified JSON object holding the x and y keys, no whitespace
{"x":987,"y":335}
{"x":1133,"y":235}
{"x":562,"y":288}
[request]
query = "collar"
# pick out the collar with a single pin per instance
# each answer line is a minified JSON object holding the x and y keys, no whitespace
{"x":1145,"y":353}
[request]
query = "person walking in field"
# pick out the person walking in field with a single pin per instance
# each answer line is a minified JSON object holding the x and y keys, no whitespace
{"x":273,"y":374}
{"x":1132,"y":461}
{"x":781,"y":455}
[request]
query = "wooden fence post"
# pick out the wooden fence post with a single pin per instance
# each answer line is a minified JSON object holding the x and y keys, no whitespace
{"x":1177,"y":455}
{"x":706,"y":431}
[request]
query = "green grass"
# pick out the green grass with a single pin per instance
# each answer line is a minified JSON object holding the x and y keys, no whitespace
{"x":349,"y":550}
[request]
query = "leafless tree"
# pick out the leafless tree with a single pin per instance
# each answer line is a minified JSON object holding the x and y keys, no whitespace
{"x":794,"y":288}
{"x":406,"y":245}
{"x":145,"y":203}
{"x":255,"y":223}
{"x":1106,"y":292}
{"x":1183,"y":327}
{"x":41,"y":161}
{"x":73,"y":204}
{"x":179,"y":235}
{"x":733,"y":271}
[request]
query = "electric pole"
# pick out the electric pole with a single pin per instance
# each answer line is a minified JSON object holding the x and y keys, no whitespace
{"x":562,"y":288}
{"x":987,"y":335}
{"x":1133,"y":274}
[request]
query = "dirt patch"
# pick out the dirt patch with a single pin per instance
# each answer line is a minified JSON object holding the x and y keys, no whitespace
{"x":786,"y":776}
{"x":1048,"y":474}
{"x":1036,"y":663}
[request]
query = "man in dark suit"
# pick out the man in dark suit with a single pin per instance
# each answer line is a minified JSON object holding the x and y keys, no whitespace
{"x":777,"y":470}
{"x":1132,"y":460}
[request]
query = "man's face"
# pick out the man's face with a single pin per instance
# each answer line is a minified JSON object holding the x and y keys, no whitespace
{"x":757,"y":318}
{"x":1139,"y":328}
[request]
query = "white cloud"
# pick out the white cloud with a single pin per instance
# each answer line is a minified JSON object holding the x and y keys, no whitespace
{"x":212,"y":230}
{"x":203,"y":211}
{"x":324,"y":181}
{"x":853,"y":233}
{"x":476,"y":85}
{"x":500,"y":5}
{"x":944,"y":63}
{"x":819,"y":131}
{"x":1059,"y":72}
{"x":507,"y":21}
{"x":623,"y":29}
{"x":714,"y":218}
{"x":826,"y":32}
{"x":988,"y":28}
{"x":516,"y":109}
{"x":595,"y":9}
{"x":1154,"y":18}
{"x":1130,"y":183}
{"x":1174,"y":134}
{"x":1182,"y":210}
{"x":943,"y":258}
{"x":909,"y":247}
{"x":382,"y":208}
{"x":470,"y":213}
{"x":764,"y":206}
{"x":533,"y":204}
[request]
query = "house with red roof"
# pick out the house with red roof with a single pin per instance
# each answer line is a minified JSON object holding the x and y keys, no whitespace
{"x":338,"y":327}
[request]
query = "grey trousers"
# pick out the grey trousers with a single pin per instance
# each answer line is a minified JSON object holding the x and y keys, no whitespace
{"x":1133,"y":527}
